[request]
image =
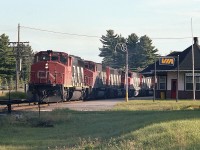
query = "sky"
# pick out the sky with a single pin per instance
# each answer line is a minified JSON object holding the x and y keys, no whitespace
{"x":160,"y":20}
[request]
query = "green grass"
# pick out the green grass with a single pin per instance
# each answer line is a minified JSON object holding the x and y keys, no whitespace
{"x":13,"y":95}
{"x":134,"y":125}
{"x":158,"y":105}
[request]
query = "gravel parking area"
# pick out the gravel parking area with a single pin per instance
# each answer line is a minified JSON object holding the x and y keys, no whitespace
{"x":93,"y":105}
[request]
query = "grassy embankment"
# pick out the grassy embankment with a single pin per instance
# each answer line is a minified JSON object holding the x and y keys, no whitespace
{"x":134,"y":125}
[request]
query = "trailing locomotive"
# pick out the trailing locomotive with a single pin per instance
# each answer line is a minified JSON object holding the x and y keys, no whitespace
{"x":57,"y":76}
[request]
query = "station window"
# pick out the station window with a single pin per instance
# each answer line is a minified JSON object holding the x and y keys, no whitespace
{"x":189,"y":83}
{"x":162,"y":82}
{"x":198,"y":83}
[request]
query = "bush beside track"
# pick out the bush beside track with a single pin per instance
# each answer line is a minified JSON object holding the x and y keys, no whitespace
{"x":13,"y":95}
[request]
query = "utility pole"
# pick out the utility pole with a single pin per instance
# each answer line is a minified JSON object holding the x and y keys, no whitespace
{"x":193,"y":77}
{"x":17,"y":49}
{"x":177,"y":78}
{"x":17,"y":59}
{"x":154,"y":90}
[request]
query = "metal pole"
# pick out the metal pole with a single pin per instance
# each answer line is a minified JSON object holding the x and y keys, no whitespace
{"x":126,"y":75}
{"x":154,"y":91}
{"x":9,"y":103}
{"x":39,"y":108}
{"x":177,"y":78}
{"x":17,"y":58}
{"x":193,"y":63}
{"x":124,"y":48}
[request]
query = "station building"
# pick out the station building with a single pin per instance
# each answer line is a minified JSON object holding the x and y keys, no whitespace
{"x":176,"y":80}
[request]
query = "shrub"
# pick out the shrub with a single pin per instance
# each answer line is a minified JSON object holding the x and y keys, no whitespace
{"x":16,"y":95}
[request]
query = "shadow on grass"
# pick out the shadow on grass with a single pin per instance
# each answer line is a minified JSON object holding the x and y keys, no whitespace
{"x":117,"y":123}
{"x":68,"y":126}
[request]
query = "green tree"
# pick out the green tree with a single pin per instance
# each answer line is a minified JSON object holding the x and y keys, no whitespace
{"x":7,"y":59}
{"x":26,"y":55}
{"x":140,"y":51}
{"x":119,"y":56}
{"x":108,"y":50}
{"x":11,"y":83}
{"x":133,"y":51}
{"x":8,"y":56}
{"x":148,"y":52}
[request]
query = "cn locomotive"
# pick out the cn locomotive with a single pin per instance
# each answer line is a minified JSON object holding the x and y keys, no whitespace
{"x":58,"y":76}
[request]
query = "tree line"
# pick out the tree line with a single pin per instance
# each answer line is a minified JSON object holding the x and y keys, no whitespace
{"x":8,"y":56}
{"x":141,"y":52}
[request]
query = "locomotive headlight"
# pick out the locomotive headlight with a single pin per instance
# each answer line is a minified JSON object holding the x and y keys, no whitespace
{"x":46,"y":66}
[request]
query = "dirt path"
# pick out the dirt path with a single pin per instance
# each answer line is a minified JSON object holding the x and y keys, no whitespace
{"x":93,"y":105}
{"x":96,"y":105}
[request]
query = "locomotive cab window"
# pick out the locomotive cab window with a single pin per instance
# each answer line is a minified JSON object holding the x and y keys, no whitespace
{"x":41,"y":58}
{"x":86,"y":66}
{"x":44,"y":58}
{"x":92,"y":67}
{"x":54,"y":58}
{"x":63,"y":59}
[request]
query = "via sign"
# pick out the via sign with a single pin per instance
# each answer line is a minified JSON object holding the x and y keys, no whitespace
{"x":167,"y":61}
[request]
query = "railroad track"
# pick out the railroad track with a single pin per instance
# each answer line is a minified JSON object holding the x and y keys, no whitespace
{"x":4,"y":108}
{"x":27,"y":106}
{"x":31,"y":106}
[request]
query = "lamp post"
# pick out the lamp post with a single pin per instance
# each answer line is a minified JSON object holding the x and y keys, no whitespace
{"x":124,"y":48}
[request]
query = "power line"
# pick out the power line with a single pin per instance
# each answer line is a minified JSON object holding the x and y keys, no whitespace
{"x":7,"y":30}
{"x":73,"y":34}
{"x":94,"y":36}
{"x":171,"y":38}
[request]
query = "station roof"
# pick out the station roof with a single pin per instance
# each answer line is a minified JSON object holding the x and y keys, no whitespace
{"x":185,"y":61}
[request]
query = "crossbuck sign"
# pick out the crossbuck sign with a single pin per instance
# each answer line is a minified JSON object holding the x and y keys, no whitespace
{"x":166,"y":61}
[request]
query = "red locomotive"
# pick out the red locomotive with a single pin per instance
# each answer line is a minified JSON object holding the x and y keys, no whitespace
{"x":57,"y":76}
